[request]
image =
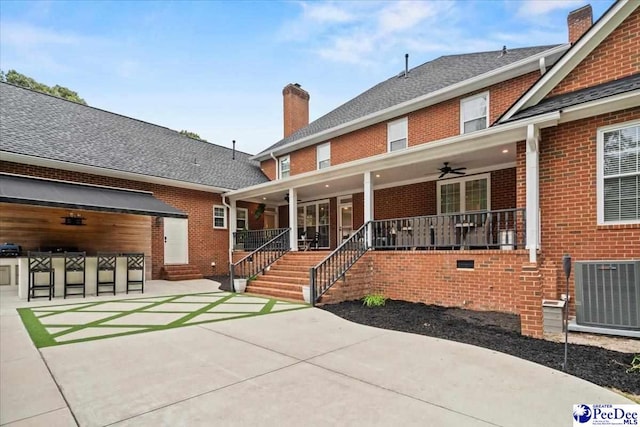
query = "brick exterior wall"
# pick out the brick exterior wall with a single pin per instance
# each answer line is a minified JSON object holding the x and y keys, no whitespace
{"x":269,"y":168}
{"x":578,"y":22}
{"x":295,"y":108}
{"x":206,"y":244}
{"x":568,"y":200}
{"x":425,"y":125}
{"x":616,"y":57}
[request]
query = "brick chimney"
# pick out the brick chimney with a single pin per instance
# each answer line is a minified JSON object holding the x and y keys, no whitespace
{"x":296,"y":108}
{"x":578,"y":22}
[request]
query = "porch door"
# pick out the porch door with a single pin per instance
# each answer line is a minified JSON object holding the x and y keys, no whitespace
{"x":345,"y":220}
{"x":176,"y":241}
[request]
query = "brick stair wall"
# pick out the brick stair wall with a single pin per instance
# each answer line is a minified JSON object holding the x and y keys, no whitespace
{"x":175,"y":272}
{"x":286,"y":277}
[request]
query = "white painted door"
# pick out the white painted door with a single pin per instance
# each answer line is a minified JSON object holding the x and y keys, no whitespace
{"x":345,"y":221}
{"x":176,"y":241}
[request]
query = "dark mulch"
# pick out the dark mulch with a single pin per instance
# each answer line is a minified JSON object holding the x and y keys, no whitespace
{"x":224,"y":282}
{"x":496,"y":331}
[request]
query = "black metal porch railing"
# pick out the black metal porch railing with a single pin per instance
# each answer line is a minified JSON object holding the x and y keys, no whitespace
{"x":259,"y":259}
{"x":250,"y":240}
{"x":337,"y":263}
{"x":498,"y":229}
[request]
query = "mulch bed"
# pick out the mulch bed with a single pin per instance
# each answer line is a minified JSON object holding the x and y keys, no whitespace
{"x":495,"y":331}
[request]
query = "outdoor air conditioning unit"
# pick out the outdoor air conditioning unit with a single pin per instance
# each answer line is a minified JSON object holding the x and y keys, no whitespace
{"x":608,"y":294}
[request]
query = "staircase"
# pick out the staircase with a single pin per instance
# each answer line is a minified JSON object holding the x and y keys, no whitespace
{"x":176,"y":272}
{"x":286,"y":276}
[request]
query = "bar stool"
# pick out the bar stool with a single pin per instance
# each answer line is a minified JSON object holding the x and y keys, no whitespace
{"x":135,"y":263}
{"x":106,"y":262}
{"x":40,"y":264}
{"x":74,"y":263}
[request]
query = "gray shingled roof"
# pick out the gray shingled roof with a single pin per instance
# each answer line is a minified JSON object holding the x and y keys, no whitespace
{"x":424,"y":79}
{"x":565,"y":100}
{"x":40,"y":125}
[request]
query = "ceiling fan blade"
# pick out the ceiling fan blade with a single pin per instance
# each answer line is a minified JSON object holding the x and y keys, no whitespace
{"x":460,"y":168}
{"x":458,"y":172}
{"x":443,"y":174}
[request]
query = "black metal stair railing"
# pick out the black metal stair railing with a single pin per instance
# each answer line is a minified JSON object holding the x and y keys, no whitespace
{"x":337,"y":263}
{"x":250,"y":240}
{"x":261,"y":258}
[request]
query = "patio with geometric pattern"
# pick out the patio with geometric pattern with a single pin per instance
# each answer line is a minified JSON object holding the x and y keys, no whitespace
{"x":84,"y":321}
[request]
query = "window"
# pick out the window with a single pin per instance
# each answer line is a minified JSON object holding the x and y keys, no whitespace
{"x":469,"y":194}
{"x":397,"y":135}
{"x":219,"y":216}
{"x":474,"y":113}
{"x":619,"y":174}
{"x":323,"y":154}
{"x":242,"y":216}
{"x":285,"y":167}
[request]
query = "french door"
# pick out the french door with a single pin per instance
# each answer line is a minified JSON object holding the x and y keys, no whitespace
{"x":313,"y":219}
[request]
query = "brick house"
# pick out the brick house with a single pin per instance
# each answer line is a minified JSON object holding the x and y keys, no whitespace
{"x":463,"y":181}
{"x":459,"y":182}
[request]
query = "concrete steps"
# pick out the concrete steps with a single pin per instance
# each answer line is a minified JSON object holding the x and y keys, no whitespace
{"x":175,"y":272}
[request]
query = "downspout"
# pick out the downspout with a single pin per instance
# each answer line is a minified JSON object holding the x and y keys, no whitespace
{"x":230,"y":251}
{"x":276,"y":162}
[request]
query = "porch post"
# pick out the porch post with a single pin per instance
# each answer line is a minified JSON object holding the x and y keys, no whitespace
{"x":532,"y":191}
{"x":232,"y":223}
{"x":368,"y":204}
{"x":293,"y":219}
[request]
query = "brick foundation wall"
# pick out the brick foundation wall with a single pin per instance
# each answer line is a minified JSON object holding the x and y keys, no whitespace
{"x":432,"y":277}
{"x":206,"y":244}
{"x":617,"y":56}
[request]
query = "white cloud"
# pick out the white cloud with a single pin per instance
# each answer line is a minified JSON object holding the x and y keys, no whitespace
{"x":326,"y":13}
{"x":535,"y":8}
{"x":26,"y":35}
{"x":404,"y":15}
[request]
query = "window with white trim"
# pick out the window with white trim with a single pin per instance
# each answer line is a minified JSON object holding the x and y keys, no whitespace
{"x":474,"y":113}
{"x":619,"y":174}
{"x":242,"y":219}
{"x":285,"y":167}
{"x":468,"y":194}
{"x":397,"y":134}
{"x":219,"y":216}
{"x":323,"y":155}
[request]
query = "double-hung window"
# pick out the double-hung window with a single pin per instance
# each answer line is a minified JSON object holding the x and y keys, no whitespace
{"x":219,"y":216}
{"x":474,"y":113}
{"x":397,"y":135}
{"x":285,"y":167}
{"x":464,"y":195}
{"x":619,"y":174}
{"x":323,"y":155}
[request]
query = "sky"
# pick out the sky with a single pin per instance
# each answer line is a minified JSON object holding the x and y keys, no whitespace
{"x":217,"y":68}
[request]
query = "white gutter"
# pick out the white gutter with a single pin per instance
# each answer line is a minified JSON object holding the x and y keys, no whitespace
{"x":464,"y":87}
{"x":277,"y":165}
{"x":487,"y":138}
{"x":94,"y":170}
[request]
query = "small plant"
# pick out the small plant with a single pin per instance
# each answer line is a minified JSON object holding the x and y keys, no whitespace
{"x":254,"y":277}
{"x":374,"y":300}
{"x":635,"y":365}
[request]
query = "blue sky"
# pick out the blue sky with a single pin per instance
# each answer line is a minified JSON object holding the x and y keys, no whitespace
{"x":218,"y":68}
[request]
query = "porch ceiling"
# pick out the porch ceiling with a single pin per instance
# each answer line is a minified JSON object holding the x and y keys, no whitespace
{"x":419,"y":169}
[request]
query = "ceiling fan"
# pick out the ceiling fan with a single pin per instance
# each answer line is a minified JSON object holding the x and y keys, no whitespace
{"x":446,"y":169}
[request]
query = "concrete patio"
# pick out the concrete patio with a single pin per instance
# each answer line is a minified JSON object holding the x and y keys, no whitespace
{"x":302,"y":367}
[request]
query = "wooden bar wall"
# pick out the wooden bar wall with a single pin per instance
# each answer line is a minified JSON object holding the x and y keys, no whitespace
{"x":36,"y":227}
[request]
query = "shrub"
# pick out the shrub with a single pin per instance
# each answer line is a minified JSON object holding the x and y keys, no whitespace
{"x":635,"y":364}
{"x":374,"y":300}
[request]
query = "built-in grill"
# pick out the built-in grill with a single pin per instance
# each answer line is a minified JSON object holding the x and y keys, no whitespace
{"x":9,"y":250}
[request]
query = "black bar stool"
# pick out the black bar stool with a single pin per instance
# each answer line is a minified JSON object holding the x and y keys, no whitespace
{"x":106,"y":263}
{"x":135,"y":263}
{"x":74,"y":263}
{"x":39,"y":265}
